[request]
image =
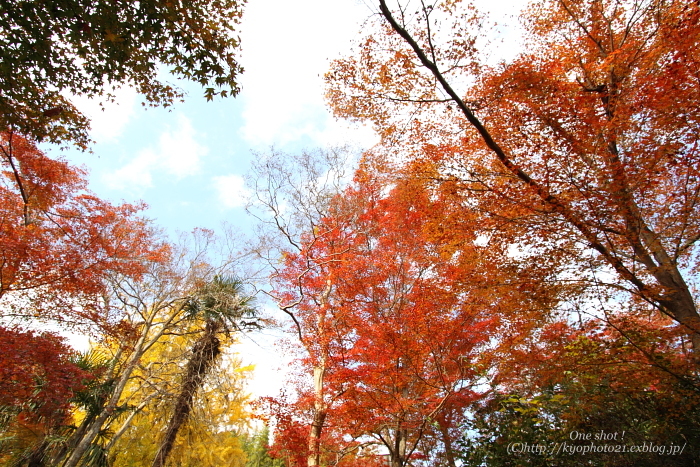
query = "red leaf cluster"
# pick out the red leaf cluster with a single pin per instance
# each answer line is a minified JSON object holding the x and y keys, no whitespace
{"x":37,"y":378}
{"x":58,"y":240}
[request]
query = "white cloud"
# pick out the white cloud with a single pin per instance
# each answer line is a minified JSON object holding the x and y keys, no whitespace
{"x":178,"y":154}
{"x":136,"y":175}
{"x":109,"y":121}
{"x":271,"y":355}
{"x":231,"y":190}
{"x":287,"y":47}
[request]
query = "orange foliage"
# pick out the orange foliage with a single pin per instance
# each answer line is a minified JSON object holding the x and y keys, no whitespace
{"x":57,"y":240}
{"x":411,"y":313}
{"x":582,"y":151}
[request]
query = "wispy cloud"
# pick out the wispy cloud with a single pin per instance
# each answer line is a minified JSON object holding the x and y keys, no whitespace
{"x":231,"y":190}
{"x":178,"y":154}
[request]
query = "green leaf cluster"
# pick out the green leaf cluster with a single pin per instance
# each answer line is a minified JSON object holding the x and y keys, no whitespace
{"x":49,"y":48}
{"x":256,"y":449}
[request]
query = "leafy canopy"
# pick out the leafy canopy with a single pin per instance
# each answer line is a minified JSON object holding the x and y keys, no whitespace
{"x":49,"y":49}
{"x":587,"y":142}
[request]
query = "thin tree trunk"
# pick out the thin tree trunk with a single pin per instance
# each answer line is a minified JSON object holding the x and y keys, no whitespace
{"x":314,"y":458}
{"x":127,"y":423}
{"x":92,"y":429}
{"x":37,"y":457}
{"x":204,"y":354}
{"x":73,"y":440}
{"x":320,"y":410}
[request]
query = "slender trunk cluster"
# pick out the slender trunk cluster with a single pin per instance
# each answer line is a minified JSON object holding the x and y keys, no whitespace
{"x":398,"y":453}
{"x":92,"y":429}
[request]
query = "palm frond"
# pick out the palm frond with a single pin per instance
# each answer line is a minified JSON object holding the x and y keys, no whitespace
{"x":223,"y":300}
{"x":92,"y":360}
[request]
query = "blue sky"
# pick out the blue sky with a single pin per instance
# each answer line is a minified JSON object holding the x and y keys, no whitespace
{"x":188,"y":162}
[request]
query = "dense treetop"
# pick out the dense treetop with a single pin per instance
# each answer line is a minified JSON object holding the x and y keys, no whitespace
{"x":51,"y":49}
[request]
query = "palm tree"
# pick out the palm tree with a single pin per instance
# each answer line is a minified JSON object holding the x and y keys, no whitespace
{"x":223,"y":307}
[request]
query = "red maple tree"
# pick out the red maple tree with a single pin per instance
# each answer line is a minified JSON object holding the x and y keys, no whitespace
{"x":57,"y":240}
{"x":398,"y":322}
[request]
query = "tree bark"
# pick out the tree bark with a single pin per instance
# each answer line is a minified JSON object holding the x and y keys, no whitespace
{"x":94,"y":427}
{"x":204,"y":354}
{"x":447,"y":442}
{"x":397,"y":453}
{"x":320,"y":410}
{"x":314,"y":458}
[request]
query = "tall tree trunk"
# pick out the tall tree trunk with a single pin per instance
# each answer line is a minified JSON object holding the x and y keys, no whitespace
{"x":320,"y":409}
{"x":397,"y":452}
{"x":72,"y":442}
{"x":314,"y":458}
{"x":204,"y":354}
{"x":447,"y":442}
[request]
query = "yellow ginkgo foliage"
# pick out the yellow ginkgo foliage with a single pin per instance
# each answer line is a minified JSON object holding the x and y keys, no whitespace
{"x":219,"y":413}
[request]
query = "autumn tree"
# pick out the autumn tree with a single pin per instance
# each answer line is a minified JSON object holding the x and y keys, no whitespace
{"x":224,"y":307}
{"x":38,"y":382}
{"x":50,"y":49}
{"x":291,"y":416}
{"x":290,"y":427}
{"x":148,"y":310}
{"x":417,"y":310}
{"x":596,"y":383}
{"x":392,"y":298}
{"x":58,"y":241}
{"x":218,"y":417}
{"x":590,"y":134}
{"x":59,"y":245}
{"x":291,"y":194}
